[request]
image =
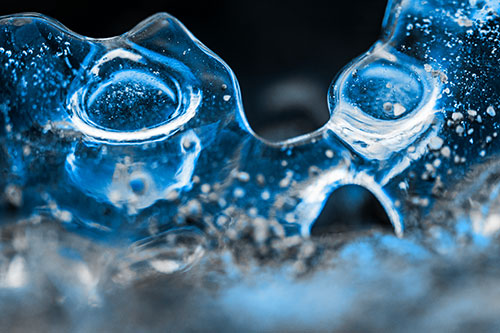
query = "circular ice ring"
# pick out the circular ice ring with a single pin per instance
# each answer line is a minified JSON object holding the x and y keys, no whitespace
{"x":376,"y":138}
{"x":179,"y":77}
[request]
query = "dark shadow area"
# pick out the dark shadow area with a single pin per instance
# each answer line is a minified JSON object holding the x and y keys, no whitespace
{"x":351,"y":208}
{"x":289,"y":107}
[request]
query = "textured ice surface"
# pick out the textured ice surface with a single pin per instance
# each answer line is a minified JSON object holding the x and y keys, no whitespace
{"x":143,"y":136}
{"x":136,"y":134}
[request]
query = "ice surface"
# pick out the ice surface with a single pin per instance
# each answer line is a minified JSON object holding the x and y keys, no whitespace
{"x":139,"y":133}
{"x":420,"y":106}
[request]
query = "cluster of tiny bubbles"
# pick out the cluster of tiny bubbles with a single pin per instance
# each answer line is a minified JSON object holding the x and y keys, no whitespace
{"x":127,"y":97}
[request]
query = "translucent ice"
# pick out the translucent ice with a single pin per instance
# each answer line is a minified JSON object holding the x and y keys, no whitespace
{"x":420,"y":108}
{"x":109,"y":133}
{"x":145,"y":132}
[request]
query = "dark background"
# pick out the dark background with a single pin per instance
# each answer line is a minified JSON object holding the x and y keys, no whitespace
{"x":284,"y":53}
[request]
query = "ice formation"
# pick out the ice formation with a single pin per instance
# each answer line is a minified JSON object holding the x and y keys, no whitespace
{"x":142,"y":139}
{"x":138,"y":134}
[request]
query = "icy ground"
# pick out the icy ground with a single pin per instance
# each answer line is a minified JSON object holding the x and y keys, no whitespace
{"x":250,"y":278}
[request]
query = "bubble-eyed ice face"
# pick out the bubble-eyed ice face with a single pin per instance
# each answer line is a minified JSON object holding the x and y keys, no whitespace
{"x":145,"y":132}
